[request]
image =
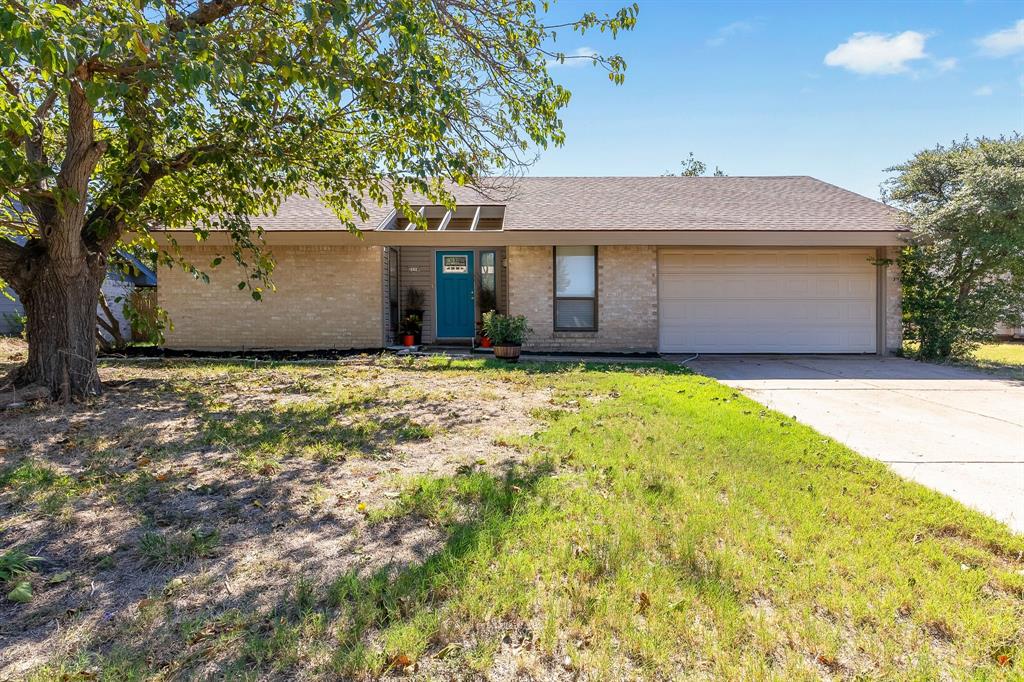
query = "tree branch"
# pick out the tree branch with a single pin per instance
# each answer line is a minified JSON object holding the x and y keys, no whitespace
{"x":43,"y":110}
{"x":105,"y":224}
{"x":206,"y":13}
{"x":63,"y":236}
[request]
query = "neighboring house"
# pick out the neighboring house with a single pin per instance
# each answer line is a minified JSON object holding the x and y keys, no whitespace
{"x":117,"y":287}
{"x":1005,"y":331}
{"x":629,"y":264}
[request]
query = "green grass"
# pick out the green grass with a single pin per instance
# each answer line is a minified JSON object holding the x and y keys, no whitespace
{"x":684,"y":529}
{"x":177,"y":548}
{"x":1006,"y":358}
{"x":662,"y":527}
{"x":40,"y":486}
{"x":1008,"y":355}
{"x":341,"y":422}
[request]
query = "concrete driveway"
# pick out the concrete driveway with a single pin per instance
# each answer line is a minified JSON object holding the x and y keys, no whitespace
{"x":958,"y":431}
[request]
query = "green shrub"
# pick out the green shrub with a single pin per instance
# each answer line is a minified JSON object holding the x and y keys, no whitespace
{"x":963,"y":270}
{"x":506,"y":329}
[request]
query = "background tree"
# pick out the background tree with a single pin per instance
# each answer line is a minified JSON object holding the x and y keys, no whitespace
{"x":120,"y":115}
{"x":693,"y":167}
{"x":964,"y":268}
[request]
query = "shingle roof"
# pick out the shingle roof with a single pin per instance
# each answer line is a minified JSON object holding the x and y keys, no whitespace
{"x":643,"y":203}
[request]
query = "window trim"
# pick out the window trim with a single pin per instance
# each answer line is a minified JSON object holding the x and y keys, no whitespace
{"x":555,"y":298}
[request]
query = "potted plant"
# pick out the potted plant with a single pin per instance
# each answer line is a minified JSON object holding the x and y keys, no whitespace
{"x":507,"y":332}
{"x":487,"y":303}
{"x":412,"y":325}
{"x":414,"y":307}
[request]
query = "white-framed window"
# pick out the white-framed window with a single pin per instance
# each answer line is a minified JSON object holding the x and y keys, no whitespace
{"x":455,"y":265}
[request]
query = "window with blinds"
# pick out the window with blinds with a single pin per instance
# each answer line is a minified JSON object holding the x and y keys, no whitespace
{"x":575,"y":288}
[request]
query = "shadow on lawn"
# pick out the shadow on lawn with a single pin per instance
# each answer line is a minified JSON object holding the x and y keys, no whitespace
{"x":149,"y":584}
{"x":341,"y":616}
{"x":240,"y":635}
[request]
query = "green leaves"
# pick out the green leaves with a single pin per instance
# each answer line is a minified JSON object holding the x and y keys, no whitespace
{"x":210,"y":113}
{"x":14,"y":566}
{"x":964,"y":270}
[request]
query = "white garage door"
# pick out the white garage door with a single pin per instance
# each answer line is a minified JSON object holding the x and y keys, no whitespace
{"x":766,"y":300}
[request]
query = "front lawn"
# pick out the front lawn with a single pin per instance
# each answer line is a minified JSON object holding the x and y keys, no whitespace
{"x":445,"y":519}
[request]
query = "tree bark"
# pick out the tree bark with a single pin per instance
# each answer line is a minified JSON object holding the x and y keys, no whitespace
{"x":60,"y":307}
{"x":58,"y":274}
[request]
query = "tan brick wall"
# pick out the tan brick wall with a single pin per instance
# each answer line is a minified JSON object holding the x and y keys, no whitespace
{"x":326,"y":297}
{"x":893,"y":303}
{"x":627,"y":316}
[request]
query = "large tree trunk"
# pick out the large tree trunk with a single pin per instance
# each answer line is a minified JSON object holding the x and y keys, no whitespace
{"x":58,"y":274}
{"x":60,"y":304}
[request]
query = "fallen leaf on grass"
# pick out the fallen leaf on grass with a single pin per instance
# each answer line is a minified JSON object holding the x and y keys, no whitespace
{"x":22,"y":593}
{"x":826,"y":661}
{"x":401,"y":661}
{"x":59,"y":577}
{"x":643,"y":603}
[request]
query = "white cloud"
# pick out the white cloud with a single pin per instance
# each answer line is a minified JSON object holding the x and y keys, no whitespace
{"x":944,"y":65}
{"x":728,"y":31}
{"x":581,"y":56}
{"x":1003,"y":43}
{"x":877,"y":53}
{"x":984,"y":91}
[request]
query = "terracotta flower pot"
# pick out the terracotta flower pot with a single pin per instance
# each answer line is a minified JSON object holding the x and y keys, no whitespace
{"x":508,"y":352}
{"x":485,"y":342}
{"x":408,"y":340}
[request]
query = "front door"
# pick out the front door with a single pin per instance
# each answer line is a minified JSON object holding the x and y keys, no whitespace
{"x":455,"y":306}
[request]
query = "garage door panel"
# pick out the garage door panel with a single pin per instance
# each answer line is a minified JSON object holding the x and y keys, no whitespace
{"x":863,"y":312}
{"x":766,"y":260}
{"x":741,"y":312}
{"x":742,"y":341}
{"x":860,"y":288}
{"x":764,"y":286}
{"x":767,"y":300}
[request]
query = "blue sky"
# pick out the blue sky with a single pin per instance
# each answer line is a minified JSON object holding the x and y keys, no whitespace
{"x":746,"y":86}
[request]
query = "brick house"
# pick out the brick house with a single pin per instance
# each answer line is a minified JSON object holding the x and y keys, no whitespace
{"x":630,"y":264}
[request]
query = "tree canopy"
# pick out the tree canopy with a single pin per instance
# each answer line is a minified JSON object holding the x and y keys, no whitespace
{"x":692,"y":167}
{"x":964,"y":268}
{"x":121,"y":115}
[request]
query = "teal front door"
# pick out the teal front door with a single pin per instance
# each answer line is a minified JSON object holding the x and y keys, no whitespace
{"x":455,"y":304}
